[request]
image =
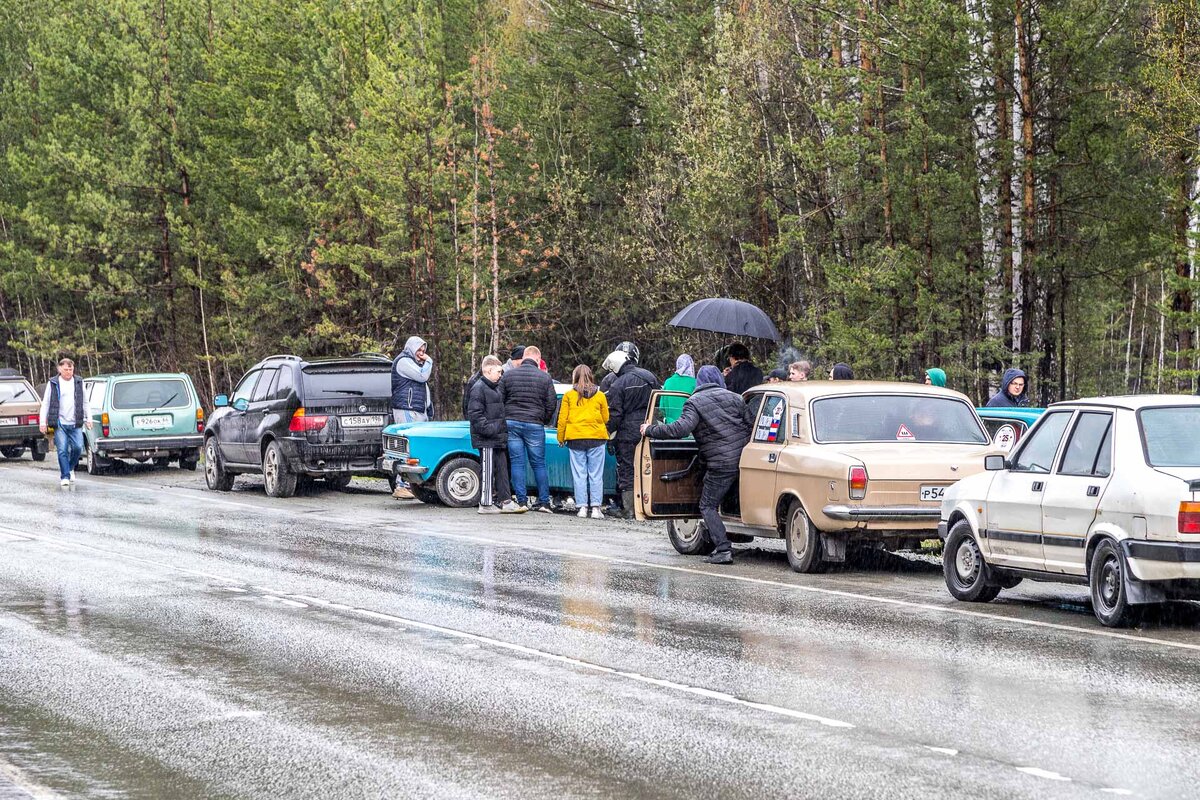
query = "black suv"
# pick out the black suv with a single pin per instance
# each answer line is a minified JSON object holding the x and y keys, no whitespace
{"x":294,"y":420}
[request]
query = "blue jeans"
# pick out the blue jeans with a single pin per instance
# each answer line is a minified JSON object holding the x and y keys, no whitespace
{"x":587,"y":473}
{"x":68,"y":441}
{"x":528,"y":439}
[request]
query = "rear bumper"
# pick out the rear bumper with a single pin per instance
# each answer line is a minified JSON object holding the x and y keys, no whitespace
{"x":322,"y":459}
{"x":19,"y":434}
{"x":1163,"y":561}
{"x":395,"y":466}
{"x":882,"y":513}
{"x":145,"y":446}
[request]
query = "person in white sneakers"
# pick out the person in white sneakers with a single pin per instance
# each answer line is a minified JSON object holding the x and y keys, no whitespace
{"x":582,"y":427}
{"x":65,"y":406}
{"x":489,"y":434}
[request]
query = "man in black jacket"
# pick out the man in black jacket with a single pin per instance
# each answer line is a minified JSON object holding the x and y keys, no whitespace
{"x":628,"y":398}
{"x":721,"y":423}
{"x":742,"y":374}
{"x":529,"y":406}
{"x":489,"y":434}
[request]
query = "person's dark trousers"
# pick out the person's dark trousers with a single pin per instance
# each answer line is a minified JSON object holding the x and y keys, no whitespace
{"x":528,"y":439}
{"x":716,"y":485}
{"x":625,"y":453}
{"x":494,"y":465}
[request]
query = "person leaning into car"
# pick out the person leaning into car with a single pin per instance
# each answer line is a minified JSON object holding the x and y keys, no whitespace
{"x":721,"y":422}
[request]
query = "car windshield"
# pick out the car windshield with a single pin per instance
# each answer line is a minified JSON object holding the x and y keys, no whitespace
{"x":343,"y":383}
{"x":150,"y":394}
{"x":16,"y":392}
{"x":1171,"y":436}
{"x":895,"y":418}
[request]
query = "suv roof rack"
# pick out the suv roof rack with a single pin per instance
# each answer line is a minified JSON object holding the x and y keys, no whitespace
{"x":372,"y":354}
{"x":284,"y":356}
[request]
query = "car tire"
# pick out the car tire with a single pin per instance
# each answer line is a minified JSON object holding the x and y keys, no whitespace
{"x":803,"y":541}
{"x":214,"y":471}
{"x":278,"y":478}
{"x":38,"y":455}
{"x":459,"y":483}
{"x":338,"y":480}
{"x":1106,"y":579}
{"x":427,"y":496}
{"x":97,"y":464}
{"x":689,"y":537}
{"x":967,"y":574}
{"x":12,"y":452}
{"x":162,"y":462}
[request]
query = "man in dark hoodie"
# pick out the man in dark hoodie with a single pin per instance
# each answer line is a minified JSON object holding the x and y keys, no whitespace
{"x":489,"y":434}
{"x":628,"y":398}
{"x":721,"y":422}
{"x":1012,"y":391}
{"x":742,"y":374}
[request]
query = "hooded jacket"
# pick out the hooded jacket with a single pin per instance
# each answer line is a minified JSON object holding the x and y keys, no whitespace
{"x":937,"y":376}
{"x":720,"y":421}
{"x":528,"y":394}
{"x":1002,"y":399}
{"x":485,"y":410}
{"x":583,"y":416}
{"x":628,"y":398}
{"x":410,"y":380}
{"x":743,"y":376}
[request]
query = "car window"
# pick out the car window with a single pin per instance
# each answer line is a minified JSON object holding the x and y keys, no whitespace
{"x":265,"y":387}
{"x":95,"y":394}
{"x":283,"y":384}
{"x":1171,"y":436}
{"x":17,"y":392}
{"x":339,"y":384}
{"x":768,"y":425}
{"x":896,"y":418}
{"x":1083,"y":452}
{"x":246,"y":387}
{"x":1041,"y":444}
{"x":155,"y":393}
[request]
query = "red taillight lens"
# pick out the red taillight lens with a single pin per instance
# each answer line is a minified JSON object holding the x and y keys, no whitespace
{"x":1189,"y":517}
{"x":199,"y":420}
{"x":302,"y":422}
{"x":858,"y":483}
{"x":104,"y":425}
{"x":32,"y":420}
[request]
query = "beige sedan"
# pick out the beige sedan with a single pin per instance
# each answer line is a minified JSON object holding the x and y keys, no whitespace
{"x":831,"y":466}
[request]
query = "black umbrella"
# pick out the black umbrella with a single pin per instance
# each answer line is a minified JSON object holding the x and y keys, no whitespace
{"x":724,"y":315}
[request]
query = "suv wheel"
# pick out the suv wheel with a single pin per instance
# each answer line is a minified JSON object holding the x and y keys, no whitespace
{"x":803,"y":541}
{"x":689,"y":537}
{"x":214,"y":471}
{"x":12,"y":452}
{"x":459,"y":483}
{"x":1106,"y":579}
{"x":967,"y":575}
{"x":280,"y":481}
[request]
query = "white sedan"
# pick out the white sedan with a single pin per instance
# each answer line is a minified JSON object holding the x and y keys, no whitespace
{"x":1103,"y":491}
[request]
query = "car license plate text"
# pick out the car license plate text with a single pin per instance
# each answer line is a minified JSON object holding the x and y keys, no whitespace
{"x":9,"y":420}
{"x":372,"y":421}
{"x":932,"y":492}
{"x":152,"y":421}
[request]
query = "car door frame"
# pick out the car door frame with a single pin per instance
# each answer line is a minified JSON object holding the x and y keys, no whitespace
{"x":234,"y":432}
{"x":256,"y":416}
{"x":759,"y":465}
{"x":1064,"y":538}
{"x":649,"y":470}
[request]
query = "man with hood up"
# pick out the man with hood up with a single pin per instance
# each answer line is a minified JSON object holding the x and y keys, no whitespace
{"x":721,"y":422}
{"x":411,"y":399}
{"x":1012,"y":391}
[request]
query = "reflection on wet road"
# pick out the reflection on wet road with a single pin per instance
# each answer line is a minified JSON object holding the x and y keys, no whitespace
{"x":158,"y":640}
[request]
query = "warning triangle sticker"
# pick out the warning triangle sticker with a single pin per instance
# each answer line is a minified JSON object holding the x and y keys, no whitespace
{"x":904,"y":433}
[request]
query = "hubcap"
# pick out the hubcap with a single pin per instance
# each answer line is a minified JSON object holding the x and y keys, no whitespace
{"x":1110,"y":581}
{"x":966,"y":561}
{"x":210,"y":461}
{"x":798,"y":533}
{"x":463,"y":484}
{"x":687,"y":530}
{"x":271,"y":468}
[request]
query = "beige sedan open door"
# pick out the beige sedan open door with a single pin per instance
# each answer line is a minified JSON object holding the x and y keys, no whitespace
{"x":667,"y":476}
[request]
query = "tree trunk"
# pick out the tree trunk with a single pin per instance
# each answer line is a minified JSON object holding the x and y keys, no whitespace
{"x":1028,"y":202}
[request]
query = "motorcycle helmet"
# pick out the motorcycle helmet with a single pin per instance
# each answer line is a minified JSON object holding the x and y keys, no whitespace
{"x":630,"y":349}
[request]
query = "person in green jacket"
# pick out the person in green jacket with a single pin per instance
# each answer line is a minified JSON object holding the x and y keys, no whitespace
{"x":683,"y":380}
{"x":935,"y":377}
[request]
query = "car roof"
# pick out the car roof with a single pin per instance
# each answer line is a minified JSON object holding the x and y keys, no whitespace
{"x":1133,"y":402}
{"x":803,"y":391}
{"x":108,"y":376}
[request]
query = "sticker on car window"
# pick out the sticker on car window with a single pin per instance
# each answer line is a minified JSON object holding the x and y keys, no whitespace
{"x":904,"y":434}
{"x":1005,"y":437}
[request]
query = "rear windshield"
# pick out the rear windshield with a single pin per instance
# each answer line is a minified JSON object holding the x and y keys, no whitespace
{"x":17,"y":392}
{"x":1171,"y":436}
{"x":155,"y":393}
{"x":328,"y":384}
{"x":895,"y":418}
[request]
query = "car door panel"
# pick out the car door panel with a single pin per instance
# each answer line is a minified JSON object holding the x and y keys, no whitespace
{"x":667,"y":477}
{"x":759,"y":464}
{"x":1072,"y":499}
{"x":234,"y":433}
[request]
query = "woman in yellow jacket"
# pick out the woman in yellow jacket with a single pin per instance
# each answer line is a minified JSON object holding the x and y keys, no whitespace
{"x":583,"y":428}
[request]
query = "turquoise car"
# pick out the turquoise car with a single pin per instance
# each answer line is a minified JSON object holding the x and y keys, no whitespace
{"x":441,"y":466}
{"x":1006,"y":426}
{"x":145,"y":417}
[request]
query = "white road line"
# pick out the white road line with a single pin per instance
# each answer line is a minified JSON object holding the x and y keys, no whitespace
{"x":946,"y":751}
{"x":1037,"y":772}
{"x":17,"y":777}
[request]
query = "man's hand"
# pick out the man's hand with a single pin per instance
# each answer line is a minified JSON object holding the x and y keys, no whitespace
{"x":88,"y":424}
{"x":43,"y":429}
{"x":643,"y":428}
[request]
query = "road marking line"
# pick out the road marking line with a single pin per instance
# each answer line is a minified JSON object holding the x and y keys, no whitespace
{"x":1037,"y":772}
{"x":17,"y":777}
{"x":946,"y":751}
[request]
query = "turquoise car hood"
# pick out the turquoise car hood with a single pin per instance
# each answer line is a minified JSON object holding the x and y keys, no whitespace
{"x":450,"y":429}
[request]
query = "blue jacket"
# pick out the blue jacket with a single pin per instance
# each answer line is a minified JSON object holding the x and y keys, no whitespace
{"x":1002,"y":399}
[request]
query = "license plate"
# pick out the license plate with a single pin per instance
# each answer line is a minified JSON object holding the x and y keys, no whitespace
{"x":932,"y":492}
{"x":373,"y":421}
{"x":148,"y":422}
{"x":10,"y":420}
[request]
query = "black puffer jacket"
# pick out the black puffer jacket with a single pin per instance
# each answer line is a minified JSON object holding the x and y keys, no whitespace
{"x":719,"y":419}
{"x":628,"y":398}
{"x":742,"y":377}
{"x":485,"y":409}
{"x":528,"y":394}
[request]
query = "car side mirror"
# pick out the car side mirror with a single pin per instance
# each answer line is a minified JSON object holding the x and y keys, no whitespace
{"x":220,"y":401}
{"x":994,"y":463}
{"x":241,"y":404}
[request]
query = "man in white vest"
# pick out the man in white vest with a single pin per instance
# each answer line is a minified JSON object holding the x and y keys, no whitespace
{"x":65,"y":406}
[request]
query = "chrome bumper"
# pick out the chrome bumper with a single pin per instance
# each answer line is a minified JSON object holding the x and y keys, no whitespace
{"x":881,"y":513}
{"x":393,"y":466}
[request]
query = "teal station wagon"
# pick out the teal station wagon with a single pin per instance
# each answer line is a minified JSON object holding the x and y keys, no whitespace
{"x":151,"y":416}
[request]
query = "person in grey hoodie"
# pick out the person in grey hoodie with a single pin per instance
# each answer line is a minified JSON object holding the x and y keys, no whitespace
{"x":411,"y":398}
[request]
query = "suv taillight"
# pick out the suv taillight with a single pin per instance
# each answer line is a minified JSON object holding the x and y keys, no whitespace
{"x":199,"y":420}
{"x":1189,"y":517}
{"x":301,"y":422}
{"x":858,"y":483}
{"x":104,"y":425}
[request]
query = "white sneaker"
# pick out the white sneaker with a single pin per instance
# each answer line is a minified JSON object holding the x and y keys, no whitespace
{"x":72,"y":476}
{"x":64,"y":482}
{"x":582,"y":512}
{"x":568,"y":505}
{"x":596,"y":513}
{"x":511,"y":507}
{"x":489,"y":510}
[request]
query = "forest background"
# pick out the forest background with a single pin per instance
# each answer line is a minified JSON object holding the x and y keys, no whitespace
{"x":196,"y":184}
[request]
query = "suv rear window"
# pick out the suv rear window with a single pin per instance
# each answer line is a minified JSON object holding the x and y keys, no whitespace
{"x":326,"y":383}
{"x":17,"y":392}
{"x":155,"y":393}
{"x":895,"y":418}
{"x":1171,"y":436}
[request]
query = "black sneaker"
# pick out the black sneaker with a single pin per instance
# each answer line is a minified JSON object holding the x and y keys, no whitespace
{"x":723,"y":557}
{"x":543,"y":507}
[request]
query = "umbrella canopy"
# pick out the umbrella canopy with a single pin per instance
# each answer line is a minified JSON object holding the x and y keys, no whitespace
{"x":724,"y":315}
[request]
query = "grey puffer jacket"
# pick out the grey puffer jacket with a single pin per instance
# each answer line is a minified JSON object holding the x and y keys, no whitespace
{"x":719,"y":419}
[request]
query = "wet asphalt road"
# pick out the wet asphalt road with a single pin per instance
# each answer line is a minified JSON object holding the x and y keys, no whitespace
{"x":160,"y":640}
